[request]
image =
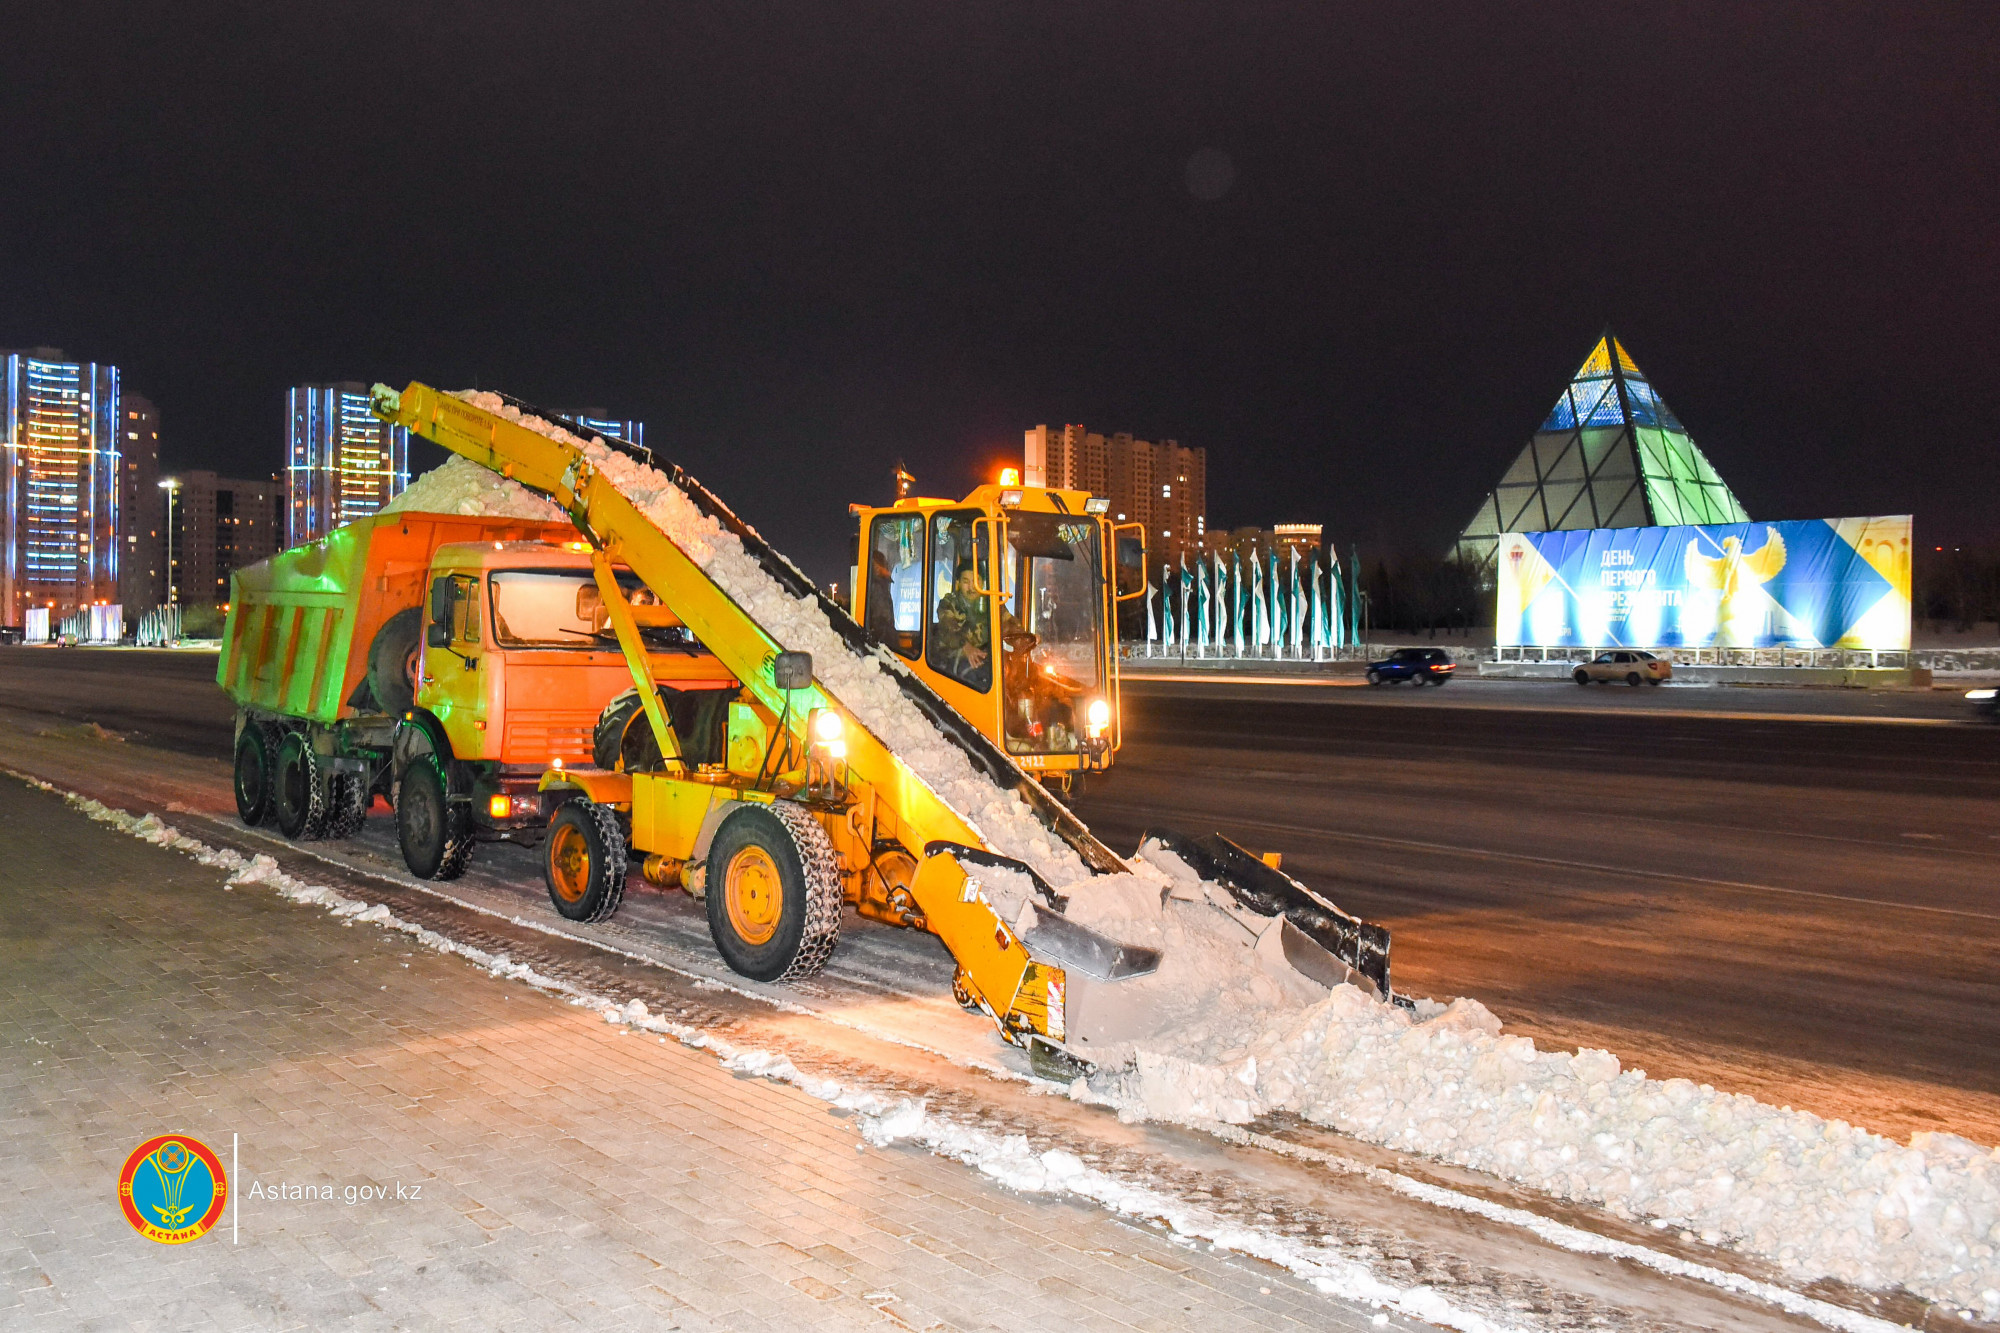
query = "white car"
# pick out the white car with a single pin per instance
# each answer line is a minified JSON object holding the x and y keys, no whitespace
{"x":1627,"y":664}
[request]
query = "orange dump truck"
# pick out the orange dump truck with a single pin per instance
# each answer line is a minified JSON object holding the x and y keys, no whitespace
{"x":346,"y":691}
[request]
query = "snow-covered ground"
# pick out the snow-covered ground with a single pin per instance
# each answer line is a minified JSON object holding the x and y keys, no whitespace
{"x":1233,"y":1039}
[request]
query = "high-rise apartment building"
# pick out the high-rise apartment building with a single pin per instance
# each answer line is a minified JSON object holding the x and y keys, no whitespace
{"x":219,"y":526}
{"x":59,"y":483}
{"x":342,"y":463}
{"x":142,"y":510}
{"x":1163,"y":485}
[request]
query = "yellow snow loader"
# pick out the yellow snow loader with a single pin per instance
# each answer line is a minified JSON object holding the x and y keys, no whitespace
{"x":786,"y":801}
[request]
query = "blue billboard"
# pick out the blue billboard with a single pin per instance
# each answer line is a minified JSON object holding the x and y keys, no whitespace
{"x":1816,"y":583}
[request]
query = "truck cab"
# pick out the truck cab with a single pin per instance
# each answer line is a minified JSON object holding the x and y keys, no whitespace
{"x":519,"y":662}
{"x":1005,"y":603}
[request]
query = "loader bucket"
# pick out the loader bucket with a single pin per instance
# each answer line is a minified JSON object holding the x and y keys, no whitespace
{"x":1100,"y":1006}
{"x":1093,"y":970}
{"x":1355,"y":946}
{"x":1077,"y":948}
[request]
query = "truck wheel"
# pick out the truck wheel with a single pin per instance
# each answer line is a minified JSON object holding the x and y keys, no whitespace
{"x":774,"y":894}
{"x":623,"y":733}
{"x":348,"y":810}
{"x":584,"y":860}
{"x":254,"y":762}
{"x":435,"y":833}
{"x":392,"y":660}
{"x":299,"y":797}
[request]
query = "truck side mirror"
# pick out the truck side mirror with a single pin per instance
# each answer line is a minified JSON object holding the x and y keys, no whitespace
{"x":792,"y":671}
{"x":437,"y":634}
{"x":444,"y":596}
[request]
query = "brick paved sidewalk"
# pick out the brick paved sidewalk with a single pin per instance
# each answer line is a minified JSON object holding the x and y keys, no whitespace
{"x":572,"y":1174}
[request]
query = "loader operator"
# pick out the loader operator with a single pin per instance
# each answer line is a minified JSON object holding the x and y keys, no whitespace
{"x":962,"y":632}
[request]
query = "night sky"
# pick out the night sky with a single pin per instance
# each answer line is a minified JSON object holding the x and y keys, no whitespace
{"x":1353,"y":250}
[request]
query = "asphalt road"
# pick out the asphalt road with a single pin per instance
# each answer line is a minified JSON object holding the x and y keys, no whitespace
{"x":164,"y":697}
{"x":1803,"y":904}
{"x":1785,"y":892}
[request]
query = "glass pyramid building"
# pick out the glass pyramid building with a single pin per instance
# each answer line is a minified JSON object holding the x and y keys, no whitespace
{"x":1611,"y":455}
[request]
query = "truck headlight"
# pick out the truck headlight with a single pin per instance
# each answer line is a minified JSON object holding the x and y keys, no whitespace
{"x":1098,"y":716}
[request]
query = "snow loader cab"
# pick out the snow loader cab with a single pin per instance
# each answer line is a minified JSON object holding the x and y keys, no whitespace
{"x":1025,"y":645}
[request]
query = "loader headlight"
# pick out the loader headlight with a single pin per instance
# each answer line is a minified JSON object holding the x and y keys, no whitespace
{"x":1098,"y":716}
{"x":829,"y":738}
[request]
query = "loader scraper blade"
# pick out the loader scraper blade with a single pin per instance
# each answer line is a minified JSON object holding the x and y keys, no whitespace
{"x":1361,"y":946}
{"x":1285,"y":945}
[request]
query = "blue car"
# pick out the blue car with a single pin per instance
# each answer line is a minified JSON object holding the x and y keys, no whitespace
{"x":1416,"y":665}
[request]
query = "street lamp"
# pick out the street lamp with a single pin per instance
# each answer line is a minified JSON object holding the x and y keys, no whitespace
{"x":171,"y":485}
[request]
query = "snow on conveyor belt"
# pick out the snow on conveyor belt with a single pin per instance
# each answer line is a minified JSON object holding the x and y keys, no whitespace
{"x":1233,"y":1041}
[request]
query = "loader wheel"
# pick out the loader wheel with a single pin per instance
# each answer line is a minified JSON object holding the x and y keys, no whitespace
{"x":392,"y":660}
{"x":584,"y":861}
{"x":436,"y":833}
{"x":774,"y":893}
{"x":299,"y":798}
{"x":348,"y":810}
{"x":254,"y":761}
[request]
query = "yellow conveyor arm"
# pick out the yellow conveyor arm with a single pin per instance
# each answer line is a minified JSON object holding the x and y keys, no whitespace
{"x":995,"y":961}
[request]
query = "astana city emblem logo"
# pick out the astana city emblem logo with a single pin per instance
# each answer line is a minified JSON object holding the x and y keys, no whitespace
{"x":172,"y":1189}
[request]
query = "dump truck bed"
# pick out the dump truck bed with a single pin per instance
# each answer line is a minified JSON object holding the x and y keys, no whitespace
{"x":300,"y":623}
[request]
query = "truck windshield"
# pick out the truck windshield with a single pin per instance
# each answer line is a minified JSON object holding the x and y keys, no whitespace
{"x":1052,"y":629}
{"x":563,"y":609}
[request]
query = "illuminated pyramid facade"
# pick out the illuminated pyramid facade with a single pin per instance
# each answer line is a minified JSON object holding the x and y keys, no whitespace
{"x":1611,"y":455}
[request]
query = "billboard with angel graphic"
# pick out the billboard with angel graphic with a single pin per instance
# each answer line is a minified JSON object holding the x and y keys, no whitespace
{"x":1816,"y":583}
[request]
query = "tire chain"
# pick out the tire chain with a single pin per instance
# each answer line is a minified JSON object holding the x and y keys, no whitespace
{"x":612,"y":834}
{"x":820,"y":865}
{"x":351,"y":799}
{"x":313,"y":828}
{"x":457,"y":825}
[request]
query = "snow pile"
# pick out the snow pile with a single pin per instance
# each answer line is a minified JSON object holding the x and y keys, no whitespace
{"x":1824,"y":1199}
{"x":465,"y":488}
{"x":1235,"y":1034}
